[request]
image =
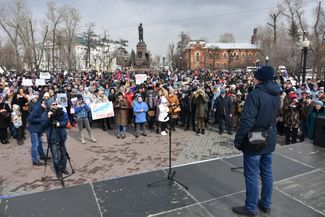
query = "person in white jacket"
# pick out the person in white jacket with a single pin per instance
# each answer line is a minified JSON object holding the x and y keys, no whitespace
{"x":163,"y":110}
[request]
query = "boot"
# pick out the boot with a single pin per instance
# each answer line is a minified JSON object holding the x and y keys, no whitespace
{"x":3,"y":141}
{"x":7,"y":141}
{"x":118,"y":135}
{"x":203,"y":131}
{"x":92,"y":137}
{"x":123,"y":135}
{"x":198,"y":131}
{"x":82,"y":139}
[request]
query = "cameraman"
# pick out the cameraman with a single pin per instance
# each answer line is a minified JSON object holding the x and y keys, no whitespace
{"x":54,"y":120}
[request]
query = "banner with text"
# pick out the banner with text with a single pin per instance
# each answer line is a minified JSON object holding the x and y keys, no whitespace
{"x":45,"y":75}
{"x":140,"y":78}
{"x":102,"y":110}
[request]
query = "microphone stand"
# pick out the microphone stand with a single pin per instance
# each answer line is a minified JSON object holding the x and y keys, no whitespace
{"x":171,"y":174}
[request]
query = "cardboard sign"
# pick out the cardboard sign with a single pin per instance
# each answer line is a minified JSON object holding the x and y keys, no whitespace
{"x":40,"y":82}
{"x":140,"y":78}
{"x":27,"y":82}
{"x":62,"y":99}
{"x":102,"y":110}
{"x":45,"y":75}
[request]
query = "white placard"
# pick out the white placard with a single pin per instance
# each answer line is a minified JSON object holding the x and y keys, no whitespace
{"x":102,"y":110}
{"x":62,"y":99}
{"x":140,"y":78}
{"x":40,"y":82}
{"x":45,"y":75}
{"x":27,"y":82}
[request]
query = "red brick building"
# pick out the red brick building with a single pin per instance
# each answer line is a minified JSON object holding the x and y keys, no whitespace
{"x":199,"y":54}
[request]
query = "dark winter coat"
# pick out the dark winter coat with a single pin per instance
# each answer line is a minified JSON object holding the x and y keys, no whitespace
{"x":55,"y":134}
{"x":35,"y":119}
{"x":259,"y":107}
{"x":311,"y":121}
{"x":223,"y":106}
{"x":291,"y":116}
{"x":5,"y":117}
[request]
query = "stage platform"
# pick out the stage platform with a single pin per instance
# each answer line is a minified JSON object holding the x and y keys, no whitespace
{"x":299,"y":191}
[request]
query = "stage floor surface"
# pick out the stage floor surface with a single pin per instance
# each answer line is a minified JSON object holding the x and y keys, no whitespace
{"x":299,"y":191}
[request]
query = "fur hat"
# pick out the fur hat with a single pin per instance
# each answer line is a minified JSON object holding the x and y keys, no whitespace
{"x":264,"y":73}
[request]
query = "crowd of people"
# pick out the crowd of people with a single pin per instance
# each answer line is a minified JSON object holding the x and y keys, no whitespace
{"x":186,"y":99}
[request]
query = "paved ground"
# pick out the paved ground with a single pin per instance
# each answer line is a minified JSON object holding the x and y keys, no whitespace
{"x":109,"y":157}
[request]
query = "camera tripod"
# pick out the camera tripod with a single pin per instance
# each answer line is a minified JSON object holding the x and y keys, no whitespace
{"x":171,"y":174}
{"x":59,"y":148}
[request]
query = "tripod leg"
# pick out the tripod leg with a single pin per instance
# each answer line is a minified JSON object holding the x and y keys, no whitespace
{"x":46,"y":157}
{"x":69,"y":160}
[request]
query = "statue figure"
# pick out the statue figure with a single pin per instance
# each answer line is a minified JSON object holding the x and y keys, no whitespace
{"x":140,"y":29}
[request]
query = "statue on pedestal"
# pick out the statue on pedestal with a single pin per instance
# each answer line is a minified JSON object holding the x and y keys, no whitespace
{"x":140,"y":29}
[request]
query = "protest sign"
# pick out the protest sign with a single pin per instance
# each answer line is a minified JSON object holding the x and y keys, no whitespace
{"x":62,"y":99}
{"x":102,"y":110}
{"x":140,"y":78}
{"x":27,"y":82}
{"x":40,"y":82}
{"x":45,"y":75}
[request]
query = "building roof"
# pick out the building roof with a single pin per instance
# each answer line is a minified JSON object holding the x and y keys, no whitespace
{"x":223,"y":46}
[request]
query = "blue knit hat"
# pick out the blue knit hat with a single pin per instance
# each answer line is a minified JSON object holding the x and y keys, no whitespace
{"x":264,"y":73}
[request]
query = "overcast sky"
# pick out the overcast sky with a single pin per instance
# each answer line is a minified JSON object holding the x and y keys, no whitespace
{"x":163,"y":20}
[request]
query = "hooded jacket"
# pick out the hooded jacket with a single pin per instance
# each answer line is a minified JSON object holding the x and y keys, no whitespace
{"x":259,"y":108}
{"x":35,"y":119}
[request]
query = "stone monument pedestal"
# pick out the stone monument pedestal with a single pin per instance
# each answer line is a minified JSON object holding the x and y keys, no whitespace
{"x":141,"y":58}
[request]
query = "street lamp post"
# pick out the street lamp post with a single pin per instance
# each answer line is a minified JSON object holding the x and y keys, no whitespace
{"x":305,"y":46}
{"x":266,"y":60}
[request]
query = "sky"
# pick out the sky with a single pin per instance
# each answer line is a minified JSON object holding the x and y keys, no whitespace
{"x":164,"y":20}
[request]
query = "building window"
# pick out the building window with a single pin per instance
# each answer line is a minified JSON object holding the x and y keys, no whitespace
{"x":225,"y":56}
{"x":197,"y":57}
{"x":243,"y":56}
{"x":224,"y":66}
{"x":218,"y":65}
{"x":249,"y":56}
{"x":217,"y":55}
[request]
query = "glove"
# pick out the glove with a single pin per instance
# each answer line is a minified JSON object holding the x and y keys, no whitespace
{"x":239,"y":146}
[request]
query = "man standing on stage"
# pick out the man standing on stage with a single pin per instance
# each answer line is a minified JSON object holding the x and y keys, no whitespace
{"x":259,"y":109}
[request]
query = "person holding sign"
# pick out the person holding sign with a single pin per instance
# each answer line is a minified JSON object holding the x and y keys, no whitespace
{"x":81,"y":111}
{"x":140,"y":110}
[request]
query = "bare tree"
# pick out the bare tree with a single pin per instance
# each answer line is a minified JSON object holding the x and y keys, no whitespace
{"x":54,"y":15}
{"x":170,"y":53}
{"x":89,"y":36}
{"x":227,"y":38}
{"x":12,"y":18}
{"x":274,"y":19}
{"x":71,"y":20}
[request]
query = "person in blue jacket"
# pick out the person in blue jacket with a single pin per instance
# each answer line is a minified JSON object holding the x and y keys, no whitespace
{"x":140,"y":110}
{"x":260,"y":106}
{"x":35,"y":130}
{"x":81,"y":111}
{"x":54,"y":121}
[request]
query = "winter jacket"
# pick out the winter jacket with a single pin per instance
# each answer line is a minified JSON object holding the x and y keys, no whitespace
{"x":223,"y":106}
{"x":311,"y":121}
{"x":55,"y":134}
{"x":5,"y":116}
{"x":200,"y":101}
{"x":140,"y":116}
{"x":35,"y":119}
{"x":81,"y":111}
{"x":121,"y":112}
{"x":261,"y":103}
